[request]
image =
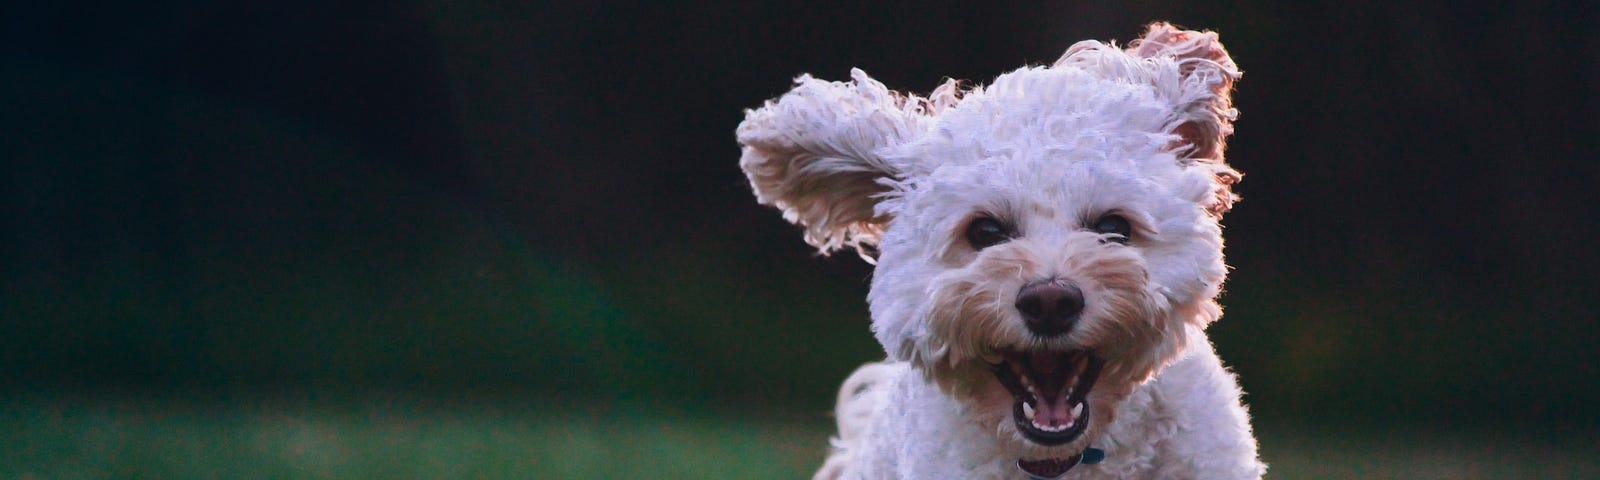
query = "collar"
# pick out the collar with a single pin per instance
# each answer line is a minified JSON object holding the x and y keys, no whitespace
{"x":1052,"y":468}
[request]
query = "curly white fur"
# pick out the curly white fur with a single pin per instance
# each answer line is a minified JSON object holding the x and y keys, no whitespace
{"x":1136,"y":132}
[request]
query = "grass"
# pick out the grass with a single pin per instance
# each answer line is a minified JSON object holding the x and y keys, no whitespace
{"x":92,"y":438}
{"x":1400,"y":453}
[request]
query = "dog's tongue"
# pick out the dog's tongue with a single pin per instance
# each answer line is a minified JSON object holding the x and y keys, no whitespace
{"x":1052,"y":411}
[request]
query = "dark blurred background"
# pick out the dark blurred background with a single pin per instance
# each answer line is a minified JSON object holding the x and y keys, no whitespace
{"x":521,"y":201}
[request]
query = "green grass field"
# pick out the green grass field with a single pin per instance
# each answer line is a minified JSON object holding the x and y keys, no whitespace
{"x":84,"y":438}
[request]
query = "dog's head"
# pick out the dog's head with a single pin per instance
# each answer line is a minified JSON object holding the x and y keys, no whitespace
{"x":1046,"y":243}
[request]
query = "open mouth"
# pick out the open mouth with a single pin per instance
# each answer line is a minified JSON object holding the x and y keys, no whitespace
{"x":1049,"y":389}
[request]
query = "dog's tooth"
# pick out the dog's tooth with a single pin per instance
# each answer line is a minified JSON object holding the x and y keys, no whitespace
{"x":1076,"y":410}
{"x":1027,"y":410}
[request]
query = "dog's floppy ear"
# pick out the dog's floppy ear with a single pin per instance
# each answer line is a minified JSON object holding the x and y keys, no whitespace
{"x":1205,"y":114}
{"x":816,"y":154}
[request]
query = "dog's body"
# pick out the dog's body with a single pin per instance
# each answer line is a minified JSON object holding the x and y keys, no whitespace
{"x":1184,"y":423}
{"x":1050,"y":255}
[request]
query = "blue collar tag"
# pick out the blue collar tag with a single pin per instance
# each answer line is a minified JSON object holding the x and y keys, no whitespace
{"x":1092,"y":456}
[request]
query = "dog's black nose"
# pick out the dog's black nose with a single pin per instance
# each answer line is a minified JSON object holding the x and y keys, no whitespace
{"x":1050,"y":307}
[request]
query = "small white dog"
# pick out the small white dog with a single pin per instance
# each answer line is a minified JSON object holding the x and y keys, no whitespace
{"x":1048,"y":259}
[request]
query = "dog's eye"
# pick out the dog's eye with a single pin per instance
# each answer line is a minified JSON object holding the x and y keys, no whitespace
{"x":1114,"y":225}
{"x":985,"y":232}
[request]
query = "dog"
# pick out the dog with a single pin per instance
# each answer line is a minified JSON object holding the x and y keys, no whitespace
{"x":1048,"y":255}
